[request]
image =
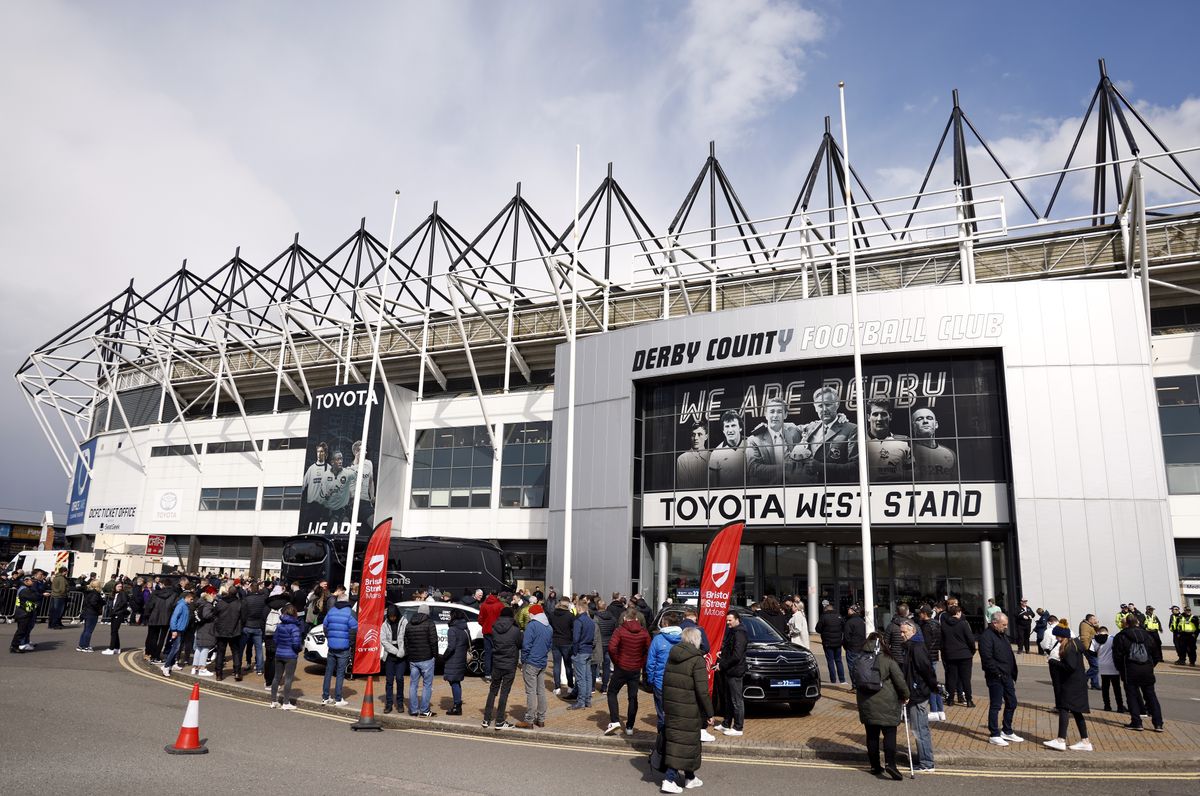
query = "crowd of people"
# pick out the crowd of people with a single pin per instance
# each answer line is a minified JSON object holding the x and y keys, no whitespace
{"x":920,"y":663}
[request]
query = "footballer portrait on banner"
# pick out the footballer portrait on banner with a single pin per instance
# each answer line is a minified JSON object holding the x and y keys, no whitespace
{"x":337,"y":459}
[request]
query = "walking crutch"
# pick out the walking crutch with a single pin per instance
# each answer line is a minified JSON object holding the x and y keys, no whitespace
{"x":912,"y":774}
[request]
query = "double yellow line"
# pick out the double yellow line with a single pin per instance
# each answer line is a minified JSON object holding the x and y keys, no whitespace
{"x":127,"y":660}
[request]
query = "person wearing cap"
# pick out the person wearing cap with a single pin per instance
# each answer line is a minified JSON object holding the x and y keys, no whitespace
{"x":1025,"y":617}
{"x":1069,"y":681}
{"x":420,"y":647}
{"x":1151,"y":622}
{"x":1188,"y":627}
{"x":1121,"y":614}
{"x":535,"y":651}
{"x":25,"y":614}
{"x":1176,"y":636}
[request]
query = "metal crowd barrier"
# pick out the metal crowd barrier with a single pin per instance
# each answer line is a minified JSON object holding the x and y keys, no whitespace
{"x":43,"y":614}
{"x":74,"y":610}
{"x":8,"y":604}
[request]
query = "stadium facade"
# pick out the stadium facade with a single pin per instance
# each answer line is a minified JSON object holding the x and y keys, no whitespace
{"x":1029,"y":383}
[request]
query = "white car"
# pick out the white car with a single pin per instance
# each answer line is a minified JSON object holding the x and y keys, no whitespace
{"x":316,"y":647}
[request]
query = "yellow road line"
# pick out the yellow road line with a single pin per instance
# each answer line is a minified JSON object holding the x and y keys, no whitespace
{"x":127,"y":663}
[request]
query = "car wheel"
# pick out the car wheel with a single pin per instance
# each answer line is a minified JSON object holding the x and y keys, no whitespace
{"x":475,"y":659}
{"x":802,"y":708}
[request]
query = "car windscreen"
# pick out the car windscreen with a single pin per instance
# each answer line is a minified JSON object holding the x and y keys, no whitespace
{"x":758,"y":631}
{"x":304,"y":551}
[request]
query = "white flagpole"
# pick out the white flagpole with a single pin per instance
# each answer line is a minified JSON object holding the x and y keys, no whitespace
{"x":868,"y":558}
{"x":569,"y":497}
{"x":358,"y":481}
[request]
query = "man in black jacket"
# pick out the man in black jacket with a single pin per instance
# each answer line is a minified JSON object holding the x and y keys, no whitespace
{"x":607,"y":622}
{"x":506,"y":649}
{"x":160,"y":606}
{"x":1000,"y":673}
{"x":931,"y":631}
{"x":894,"y":632}
{"x":562,"y":622}
{"x":731,"y":663}
{"x":1138,"y":675}
{"x":832,"y":628}
{"x":922,"y":682}
{"x":853,"y":638}
{"x":1025,"y":618}
{"x":254,"y":620}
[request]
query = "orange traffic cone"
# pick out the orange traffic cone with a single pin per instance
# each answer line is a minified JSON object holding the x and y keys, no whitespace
{"x":366,"y":716}
{"x":188,"y":742}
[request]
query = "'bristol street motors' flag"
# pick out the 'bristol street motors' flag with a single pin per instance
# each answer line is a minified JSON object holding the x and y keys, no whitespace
{"x":716,"y":587}
{"x":371,"y":598}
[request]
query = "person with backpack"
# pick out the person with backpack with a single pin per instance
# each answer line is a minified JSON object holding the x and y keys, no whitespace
{"x":391,"y":655}
{"x":275,"y":605}
{"x":831,"y":628}
{"x":1136,"y":653}
{"x":1068,"y":676}
{"x":880,"y":693}
{"x":922,"y":682}
{"x":958,"y":651}
{"x":454,"y":671}
{"x":288,"y":642}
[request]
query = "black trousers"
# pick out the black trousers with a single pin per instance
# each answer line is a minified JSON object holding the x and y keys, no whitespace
{"x":1023,"y":631}
{"x":501,"y":684}
{"x":1139,"y":696}
{"x":623,"y":678}
{"x":114,"y":634}
{"x":1064,"y":720}
{"x":1113,"y":681}
{"x":269,"y":659}
{"x":24,"y":628}
{"x":156,"y":635}
{"x":958,"y":678}
{"x":234,"y":645}
{"x":1189,"y":648}
{"x":889,"y":746}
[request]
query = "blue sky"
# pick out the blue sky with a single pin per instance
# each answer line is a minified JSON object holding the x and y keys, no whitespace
{"x":142,"y":133}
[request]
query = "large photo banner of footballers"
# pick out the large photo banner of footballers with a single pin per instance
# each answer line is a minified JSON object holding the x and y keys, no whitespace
{"x":783,"y":448}
{"x":337,"y":457}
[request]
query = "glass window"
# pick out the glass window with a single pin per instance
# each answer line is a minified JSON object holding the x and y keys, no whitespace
{"x":525,"y":474}
{"x":1183,"y":479}
{"x":232,"y":499}
{"x":1182,"y":449}
{"x":234,"y":446}
{"x":1179,"y":419}
{"x":1176,"y":390}
{"x":287,"y":443}
{"x":172,"y":450}
{"x":452,"y":468}
{"x":281,"y":498}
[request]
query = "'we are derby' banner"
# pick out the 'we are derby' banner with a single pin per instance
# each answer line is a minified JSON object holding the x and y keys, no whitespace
{"x":899,"y":504}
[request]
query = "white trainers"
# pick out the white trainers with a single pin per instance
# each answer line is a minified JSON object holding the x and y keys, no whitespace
{"x":1012,"y":737}
{"x":996,"y":740}
{"x":670,"y":787}
{"x":1056,"y":743}
{"x":694,"y":782}
{"x":932,"y":717}
{"x":732,"y":732}
{"x":326,"y":701}
{"x":166,"y":670}
{"x":341,"y":703}
{"x":718,"y":728}
{"x":629,"y":730}
{"x":612,"y":727}
{"x":942,"y":715}
{"x":204,"y":673}
{"x":706,"y":736}
{"x":275,"y":705}
{"x":110,"y":652}
{"x":1083,"y":746}
{"x":287,"y":706}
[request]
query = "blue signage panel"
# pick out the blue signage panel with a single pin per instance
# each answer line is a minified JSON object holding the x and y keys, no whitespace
{"x":81,"y":483}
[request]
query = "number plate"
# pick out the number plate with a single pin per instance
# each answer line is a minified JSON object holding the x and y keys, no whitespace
{"x":786,"y":684}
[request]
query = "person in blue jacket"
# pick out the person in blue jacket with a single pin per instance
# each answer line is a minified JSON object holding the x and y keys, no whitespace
{"x":656,"y":659}
{"x":690,"y":615}
{"x":288,"y":642}
{"x":180,"y":617}
{"x":535,"y":651}
{"x":583,"y":641}
{"x":340,"y":627}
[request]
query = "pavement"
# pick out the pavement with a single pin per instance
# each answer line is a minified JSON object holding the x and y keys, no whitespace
{"x":831,"y":732}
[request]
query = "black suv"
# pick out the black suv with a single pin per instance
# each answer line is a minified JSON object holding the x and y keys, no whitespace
{"x":776,"y":669}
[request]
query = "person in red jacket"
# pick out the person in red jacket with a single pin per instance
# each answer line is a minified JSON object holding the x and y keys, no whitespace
{"x":489,"y":612}
{"x":627,"y":649}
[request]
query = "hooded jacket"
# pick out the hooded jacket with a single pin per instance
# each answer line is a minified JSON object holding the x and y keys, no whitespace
{"x":254,"y":611}
{"x":609,"y":619}
{"x":562,"y":623}
{"x":228,"y":616}
{"x":958,"y":640}
{"x":488,"y":613}
{"x":660,"y":649}
{"x":686,"y":623}
{"x":420,"y":638}
{"x":686,"y":707}
{"x":93,"y":603}
{"x":628,"y":645}
{"x":506,"y":645}
{"x":162,"y":604}
{"x":535,"y":648}
{"x":931,"y":631}
{"x":458,"y":643}
{"x":733,"y":652}
{"x":855,"y":634}
{"x":206,"y":631}
{"x":181,"y":616}
{"x":391,"y":642}
{"x":340,"y":626}
{"x":831,"y":628}
{"x":287,"y":638}
{"x":583,"y":634}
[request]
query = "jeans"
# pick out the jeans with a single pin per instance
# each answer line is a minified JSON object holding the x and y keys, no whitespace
{"x":114,"y":635}
{"x":936,"y":705}
{"x":58,"y":605}
{"x":173,"y":651}
{"x":535,"y":692}
{"x":285,"y":671}
{"x":673,"y":776}
{"x":393,"y":673}
{"x":335,"y":663}
{"x":605,"y":670}
{"x":255,"y":635}
{"x":420,"y":672}
{"x":889,"y":746}
{"x":501,"y":684}
{"x":623,"y":678}
{"x":918,"y":722}
{"x":833,"y":659}
{"x":200,"y":659}
{"x":735,"y":706}
{"x":487,"y":655}
{"x":89,"y":624}
{"x":851,"y":659}
{"x":584,"y":682}
{"x":1001,"y":690}
{"x":456,"y":691}
{"x":1139,"y":696}
{"x":564,"y":654}
{"x":1093,"y":672}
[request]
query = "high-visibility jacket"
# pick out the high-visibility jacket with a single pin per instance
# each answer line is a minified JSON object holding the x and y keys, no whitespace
{"x":1187,"y":624}
{"x":1152,"y":624}
{"x":1173,"y":625}
{"x":1121,"y":615}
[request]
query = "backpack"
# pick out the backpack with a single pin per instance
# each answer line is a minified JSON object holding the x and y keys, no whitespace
{"x":1138,"y":653}
{"x":866,"y":673}
{"x":272,"y":622}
